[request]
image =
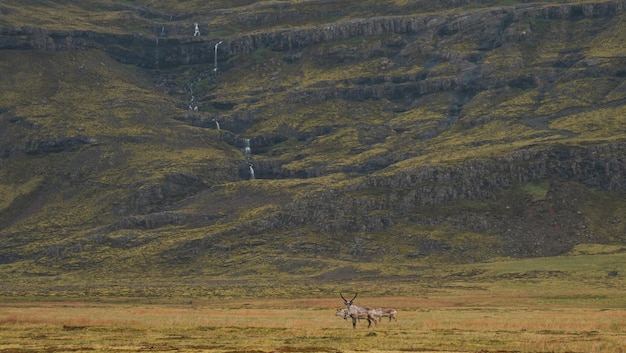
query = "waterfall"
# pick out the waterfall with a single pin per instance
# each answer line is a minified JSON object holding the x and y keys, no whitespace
{"x":247,"y":150}
{"x":251,"y":171}
{"x":216,"y":45}
{"x":192,"y":101}
{"x":217,"y":124}
{"x":157,"y":52}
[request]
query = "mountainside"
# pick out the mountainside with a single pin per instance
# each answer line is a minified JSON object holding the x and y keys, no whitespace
{"x":307,"y":138}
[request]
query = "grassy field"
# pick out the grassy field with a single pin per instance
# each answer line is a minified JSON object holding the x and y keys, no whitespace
{"x":449,"y":324}
{"x":540,"y":314}
{"x":571,"y":303}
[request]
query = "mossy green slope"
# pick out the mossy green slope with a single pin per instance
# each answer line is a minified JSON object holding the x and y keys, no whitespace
{"x":89,"y":142}
{"x":495,"y":130}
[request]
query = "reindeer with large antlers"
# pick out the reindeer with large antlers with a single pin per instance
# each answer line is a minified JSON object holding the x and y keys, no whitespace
{"x":356,"y":311}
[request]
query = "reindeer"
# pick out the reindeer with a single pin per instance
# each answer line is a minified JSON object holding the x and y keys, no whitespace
{"x":342,"y":313}
{"x":386,"y":312}
{"x":345,"y":314}
{"x":377,"y":313}
{"x":356,"y":311}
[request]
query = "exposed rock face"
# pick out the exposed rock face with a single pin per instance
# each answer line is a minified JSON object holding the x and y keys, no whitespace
{"x":546,"y":228}
{"x":176,"y":48}
{"x":377,"y":198}
{"x":55,"y":146}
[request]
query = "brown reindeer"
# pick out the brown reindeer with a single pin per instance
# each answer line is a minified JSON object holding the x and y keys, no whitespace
{"x":345,"y":314}
{"x":356,"y":311}
{"x":386,"y":312}
{"x":342,"y":313}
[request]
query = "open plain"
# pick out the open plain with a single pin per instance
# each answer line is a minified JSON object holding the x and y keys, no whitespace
{"x":558,"y":304}
{"x":459,"y":323}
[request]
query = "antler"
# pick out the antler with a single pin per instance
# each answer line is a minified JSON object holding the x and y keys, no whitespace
{"x":351,"y":300}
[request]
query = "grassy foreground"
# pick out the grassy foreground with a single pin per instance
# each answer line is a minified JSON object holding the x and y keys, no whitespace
{"x":511,"y":315}
{"x":571,"y":303}
{"x":454,"y":323}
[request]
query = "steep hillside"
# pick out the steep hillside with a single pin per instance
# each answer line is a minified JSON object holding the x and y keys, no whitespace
{"x":304,"y":139}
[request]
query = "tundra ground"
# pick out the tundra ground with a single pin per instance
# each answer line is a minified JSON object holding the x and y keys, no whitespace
{"x":462,"y":319}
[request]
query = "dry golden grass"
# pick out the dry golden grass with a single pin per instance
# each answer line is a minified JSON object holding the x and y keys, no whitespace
{"x":457,"y":321}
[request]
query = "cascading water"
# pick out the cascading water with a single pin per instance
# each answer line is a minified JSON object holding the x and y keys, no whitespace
{"x":193,"y":105}
{"x":157,"y":53}
{"x":247,"y":151}
{"x":251,"y":170}
{"x":162,"y":34}
{"x":216,"y":45}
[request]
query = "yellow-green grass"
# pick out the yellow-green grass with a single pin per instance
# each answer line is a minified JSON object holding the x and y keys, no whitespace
{"x":80,"y":92}
{"x":603,"y":123}
{"x":609,"y":44}
{"x":556,"y":304}
{"x":9,"y":191}
{"x":448,"y":320}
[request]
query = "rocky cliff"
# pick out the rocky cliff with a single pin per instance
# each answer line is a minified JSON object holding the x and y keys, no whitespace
{"x":353,"y":132}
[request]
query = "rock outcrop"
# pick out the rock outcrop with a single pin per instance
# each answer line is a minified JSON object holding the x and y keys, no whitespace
{"x":173,"y":44}
{"x":366,"y":134}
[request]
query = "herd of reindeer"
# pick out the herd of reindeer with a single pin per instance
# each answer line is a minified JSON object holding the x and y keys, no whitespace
{"x":364,"y":312}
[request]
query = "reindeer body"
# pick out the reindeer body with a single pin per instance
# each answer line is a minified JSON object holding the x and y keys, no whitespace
{"x":345,"y":314}
{"x":386,"y":312}
{"x":356,"y":312}
{"x":342,"y":313}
